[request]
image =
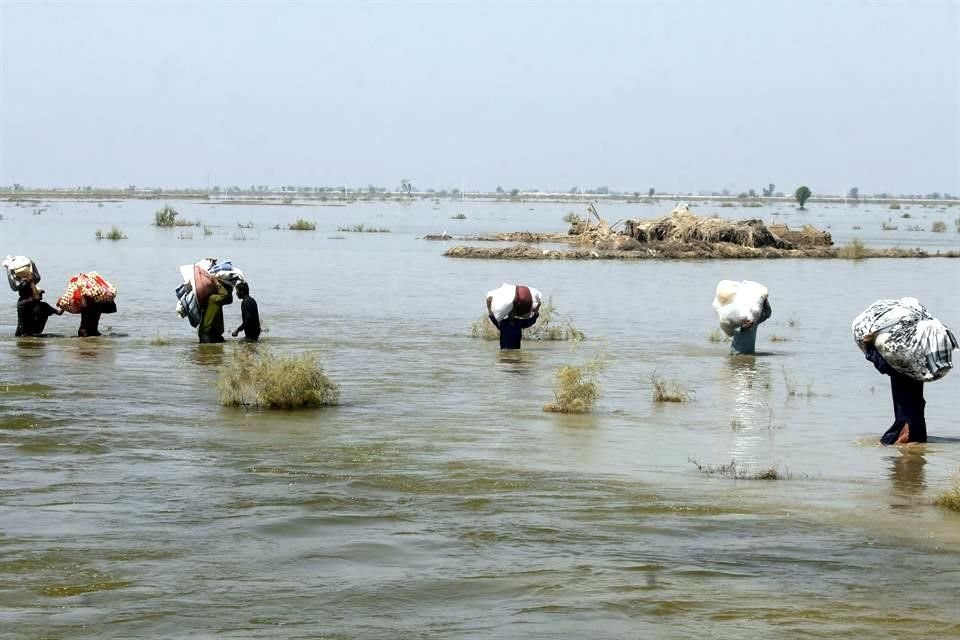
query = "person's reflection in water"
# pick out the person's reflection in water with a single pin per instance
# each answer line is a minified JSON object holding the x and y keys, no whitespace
{"x":515,"y":361}
{"x":748,"y":380}
{"x":906,"y":472}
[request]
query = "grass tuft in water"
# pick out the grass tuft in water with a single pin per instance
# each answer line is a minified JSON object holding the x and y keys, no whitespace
{"x":736,"y":471}
{"x":113,"y":234}
{"x":551,"y":325}
{"x":166,"y":216}
{"x":576,"y":389}
{"x":665,"y":390}
{"x":302,"y":225}
{"x":939,"y":226}
{"x":950,"y":499}
{"x":459,"y":216}
{"x":779,"y":338}
{"x":262,"y":380}
{"x":718,"y":336}
{"x":853,"y":250}
{"x":160,"y":341}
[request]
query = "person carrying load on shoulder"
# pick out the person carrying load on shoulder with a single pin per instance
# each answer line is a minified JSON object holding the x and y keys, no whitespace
{"x":741,"y":307}
{"x":32,"y":311}
{"x":902,"y":340}
{"x":511,"y":318}
{"x":211,"y":328}
{"x":249,"y":313}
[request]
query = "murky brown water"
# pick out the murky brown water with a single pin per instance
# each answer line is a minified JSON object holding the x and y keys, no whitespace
{"x":439,"y":500}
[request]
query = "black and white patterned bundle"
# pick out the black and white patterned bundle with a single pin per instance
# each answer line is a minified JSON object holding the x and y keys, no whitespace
{"x":910,"y":339}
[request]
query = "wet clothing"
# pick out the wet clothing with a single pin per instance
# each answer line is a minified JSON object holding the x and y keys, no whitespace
{"x":511,"y":329}
{"x":90,"y":317}
{"x":211,"y":321}
{"x":32,"y":316}
{"x":908,"y":402}
{"x":251,"y":318}
{"x":745,"y":340}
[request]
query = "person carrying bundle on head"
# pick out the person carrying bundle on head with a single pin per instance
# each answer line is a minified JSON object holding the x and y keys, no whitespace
{"x":32,"y":311}
{"x":511,"y":319}
{"x":211,"y":313}
{"x":741,"y":307}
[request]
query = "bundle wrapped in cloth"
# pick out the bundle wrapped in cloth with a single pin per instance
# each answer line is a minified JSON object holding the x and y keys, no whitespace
{"x":20,"y":269}
{"x":90,"y":285}
{"x":910,"y":339}
{"x":516,"y":298}
{"x":199,"y":282}
{"x":737,"y":302}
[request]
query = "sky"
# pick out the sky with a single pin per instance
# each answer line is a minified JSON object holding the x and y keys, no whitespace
{"x":678,"y":96}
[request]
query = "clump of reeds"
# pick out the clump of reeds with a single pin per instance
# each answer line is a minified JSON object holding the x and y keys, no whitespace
{"x":113,"y":234}
{"x":575,"y":388}
{"x":939,"y":226}
{"x":160,"y":341}
{"x":665,"y":390}
{"x":302,"y":225}
{"x":166,"y":216}
{"x":779,"y":338}
{"x":263,"y":380}
{"x":794,"y":390}
{"x":886,"y":226}
{"x":459,"y":216}
{"x":950,"y":499}
{"x":736,"y":471}
{"x":362,"y":228}
{"x":895,"y":205}
{"x":853,"y":250}
{"x":551,"y":326}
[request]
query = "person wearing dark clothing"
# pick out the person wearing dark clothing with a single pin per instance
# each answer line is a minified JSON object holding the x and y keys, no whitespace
{"x":32,"y":311}
{"x":249,"y":313}
{"x":211,"y":315}
{"x":909,"y":423}
{"x":90,"y":313}
{"x":511,"y":329}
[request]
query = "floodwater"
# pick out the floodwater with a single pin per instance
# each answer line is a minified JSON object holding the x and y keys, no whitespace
{"x":439,"y":500}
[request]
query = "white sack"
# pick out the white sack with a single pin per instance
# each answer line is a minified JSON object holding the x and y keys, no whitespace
{"x":501,"y":303}
{"x":736,"y":302}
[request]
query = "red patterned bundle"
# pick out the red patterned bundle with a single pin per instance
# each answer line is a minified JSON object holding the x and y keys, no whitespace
{"x":86,"y":285}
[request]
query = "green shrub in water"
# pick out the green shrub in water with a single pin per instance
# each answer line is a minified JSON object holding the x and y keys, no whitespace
{"x":261,"y":379}
{"x":939,"y":226}
{"x":302,"y":225}
{"x":665,"y":390}
{"x":549,"y":326}
{"x":950,"y":499}
{"x":166,"y":216}
{"x":113,"y":234}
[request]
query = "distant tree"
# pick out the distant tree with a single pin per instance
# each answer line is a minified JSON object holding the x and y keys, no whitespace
{"x":768,"y":192}
{"x":752,"y":193}
{"x":406,"y":186}
{"x":455,"y":193}
{"x":802,"y":194}
{"x":499,"y":189}
{"x":574,"y":190}
{"x":602,"y":190}
{"x":514,"y":193}
{"x":651,"y":192}
{"x":854,"y":193}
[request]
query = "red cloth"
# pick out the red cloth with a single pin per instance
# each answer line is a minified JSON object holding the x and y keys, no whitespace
{"x":522,"y":301}
{"x":86,"y":285}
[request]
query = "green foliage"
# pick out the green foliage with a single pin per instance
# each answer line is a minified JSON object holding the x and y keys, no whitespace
{"x":362,"y":228}
{"x":160,"y":341}
{"x":302,"y":225}
{"x":113,"y":234}
{"x":257,"y":378}
{"x":950,"y":499}
{"x":939,"y":226}
{"x":166,"y":216}
{"x":459,"y":216}
{"x":895,"y":205}
{"x":665,"y":390}
{"x":802,"y":194}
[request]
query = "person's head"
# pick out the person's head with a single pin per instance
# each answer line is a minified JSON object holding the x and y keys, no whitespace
{"x":243,"y":290}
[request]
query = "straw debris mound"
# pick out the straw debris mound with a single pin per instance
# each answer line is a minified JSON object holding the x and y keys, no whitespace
{"x":262,"y":380}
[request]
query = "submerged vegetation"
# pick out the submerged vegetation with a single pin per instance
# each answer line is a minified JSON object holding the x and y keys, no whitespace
{"x":113,"y":234}
{"x":262,"y":380}
{"x":853,"y":250}
{"x":551,"y":325}
{"x":302,"y":225}
{"x":718,"y":335}
{"x":576,"y":389}
{"x":362,"y":228}
{"x":166,"y":216}
{"x":950,"y":499}
{"x":939,"y":226}
{"x":665,"y":390}
{"x":736,"y":471}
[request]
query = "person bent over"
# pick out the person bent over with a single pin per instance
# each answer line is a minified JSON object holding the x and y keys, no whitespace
{"x":909,"y":421}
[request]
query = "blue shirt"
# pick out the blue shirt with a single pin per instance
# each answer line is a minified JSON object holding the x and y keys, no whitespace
{"x":511,"y":329}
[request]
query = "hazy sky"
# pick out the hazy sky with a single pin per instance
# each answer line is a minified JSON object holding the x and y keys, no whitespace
{"x":677,"y":96}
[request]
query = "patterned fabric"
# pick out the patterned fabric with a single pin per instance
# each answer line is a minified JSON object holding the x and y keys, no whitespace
{"x":910,"y":340}
{"x":90,"y":285}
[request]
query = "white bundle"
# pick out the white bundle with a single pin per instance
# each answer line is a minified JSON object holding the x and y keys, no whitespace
{"x":736,"y":302}
{"x":911,"y":340}
{"x":18,"y":269}
{"x":502,"y":298}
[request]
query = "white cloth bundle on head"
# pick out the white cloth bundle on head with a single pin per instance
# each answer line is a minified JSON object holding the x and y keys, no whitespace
{"x":736,"y":302}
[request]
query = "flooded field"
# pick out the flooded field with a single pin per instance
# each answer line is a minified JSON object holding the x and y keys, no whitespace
{"x":439,"y":500}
